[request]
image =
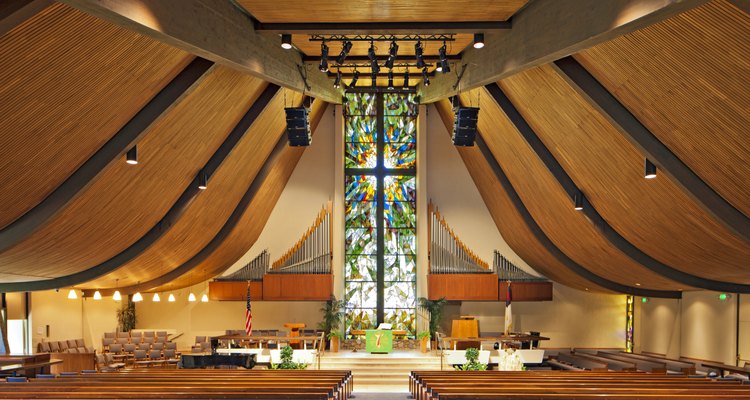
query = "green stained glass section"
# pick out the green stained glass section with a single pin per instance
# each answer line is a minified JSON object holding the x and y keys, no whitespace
{"x":361,"y":295}
{"x":400,"y":104}
{"x":402,"y":319}
{"x":401,"y":267}
{"x":400,"y":188}
{"x":360,"y":104}
{"x":360,"y":319}
{"x":361,"y":155}
{"x":362,"y":268}
{"x":400,"y":241}
{"x":360,"y":188}
{"x":400,"y":295}
{"x":361,"y":241}
{"x":400,"y":214}
{"x":361,"y":129}
{"x":401,"y":129}
{"x":400,"y":155}
{"x":361,"y":214}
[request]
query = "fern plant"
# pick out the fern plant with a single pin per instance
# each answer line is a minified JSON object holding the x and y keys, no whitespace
{"x":472,"y":363}
{"x":286,"y":360}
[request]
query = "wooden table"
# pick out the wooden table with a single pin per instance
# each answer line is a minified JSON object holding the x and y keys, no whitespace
{"x":261,"y":339}
{"x":501,"y":338}
{"x":295,"y":327}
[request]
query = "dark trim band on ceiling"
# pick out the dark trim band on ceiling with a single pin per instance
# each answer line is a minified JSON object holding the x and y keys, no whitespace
{"x":567,"y":183}
{"x":123,"y":140}
{"x":169,"y":219}
{"x":220,"y":236}
{"x":18,"y":11}
{"x":658,"y":153}
{"x":415,"y":27}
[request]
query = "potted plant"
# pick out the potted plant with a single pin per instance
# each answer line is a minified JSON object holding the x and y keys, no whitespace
{"x":472,"y":355}
{"x":287,"y":354}
{"x":333,"y":314}
{"x":423,"y":337}
{"x":126,"y":318}
{"x":435,"y":308}
{"x":335,"y":338}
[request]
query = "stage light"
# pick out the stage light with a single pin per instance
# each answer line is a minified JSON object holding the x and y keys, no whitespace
{"x":392,"y":53}
{"x":72,"y":294}
{"x":202,"y":180}
{"x":425,"y":77}
{"x":286,"y":41}
{"x":478,"y":40}
{"x":444,"y":65}
{"x":137,"y":297}
{"x":337,"y":82}
{"x":374,"y":67}
{"x":116,"y":296}
{"x":578,"y":203}
{"x":390,"y":80}
{"x":345,"y":48}
{"x":97,"y":295}
{"x":204,"y":298}
{"x":465,"y":126}
{"x":323,"y":58}
{"x":132,"y":156}
{"x":171,"y":298}
{"x":191,"y":297}
{"x":374,"y":77}
{"x":418,"y":52}
{"x":406,"y":79}
{"x":298,"y":126}
{"x":650,"y":170}
{"x":438,"y":67}
{"x":156,"y":298}
{"x":355,"y":78}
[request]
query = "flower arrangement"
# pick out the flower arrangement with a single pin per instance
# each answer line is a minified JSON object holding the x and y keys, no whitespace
{"x":472,"y":355}
{"x":510,"y":360}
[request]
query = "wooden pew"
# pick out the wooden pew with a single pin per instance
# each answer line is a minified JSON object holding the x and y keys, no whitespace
{"x":640,"y":364}
{"x":672,"y":365}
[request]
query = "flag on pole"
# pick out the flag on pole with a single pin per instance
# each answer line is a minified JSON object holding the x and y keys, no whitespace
{"x":248,"y":314}
{"x":508,"y":311}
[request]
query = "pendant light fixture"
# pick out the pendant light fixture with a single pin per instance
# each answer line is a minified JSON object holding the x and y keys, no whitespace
{"x":204,"y":298}
{"x":202,"y":180}
{"x":97,"y":295}
{"x":156,"y":298}
{"x":578,"y":201}
{"x":478,"y":40}
{"x":137,"y":297}
{"x":286,"y":41}
{"x":171,"y":298}
{"x":650,"y":170}
{"x":191,"y":297}
{"x":72,"y":294}
{"x":116,"y":296}
{"x":132,"y":156}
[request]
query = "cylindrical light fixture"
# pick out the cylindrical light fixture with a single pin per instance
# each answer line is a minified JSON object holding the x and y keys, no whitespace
{"x":337,"y":82}
{"x":97,"y":295}
{"x":406,"y":79}
{"x":390,"y":80}
{"x":72,"y":294}
{"x":137,"y":297}
{"x":156,"y":298}
{"x":478,"y":40}
{"x":578,"y":201}
{"x":425,"y":77}
{"x":650,"y":170}
{"x":171,"y":298}
{"x":438,"y":67}
{"x":202,"y":180}
{"x":116,"y":296}
{"x":286,"y":41}
{"x":132,"y":156}
{"x":191,"y":297}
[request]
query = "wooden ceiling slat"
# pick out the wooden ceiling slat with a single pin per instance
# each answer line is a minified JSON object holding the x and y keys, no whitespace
{"x":550,"y":205}
{"x":126,"y":201}
{"x":654,"y":215}
{"x":686,"y":79}
{"x":70,"y":82}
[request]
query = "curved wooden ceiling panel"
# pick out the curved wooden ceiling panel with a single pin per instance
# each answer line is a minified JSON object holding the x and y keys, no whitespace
{"x":68,"y":83}
{"x":126,"y":201}
{"x":507,"y":219}
{"x":686,"y":79}
{"x":255,"y":216}
{"x":551,"y":207}
{"x":654,"y":215}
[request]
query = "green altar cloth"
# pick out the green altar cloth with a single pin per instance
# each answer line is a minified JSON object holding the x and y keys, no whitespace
{"x":378,"y":341}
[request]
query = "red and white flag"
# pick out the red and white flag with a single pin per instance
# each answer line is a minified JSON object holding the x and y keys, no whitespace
{"x":248,"y":314}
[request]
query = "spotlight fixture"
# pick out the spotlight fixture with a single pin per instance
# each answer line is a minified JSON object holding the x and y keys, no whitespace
{"x":297,"y":126}
{"x":72,"y":294}
{"x":406,"y":79}
{"x":650,"y":170}
{"x":97,"y":295}
{"x":465,"y":126}
{"x":171,"y":298}
{"x":137,"y":297}
{"x":204,"y":298}
{"x":578,"y":201}
{"x":478,"y":40}
{"x":323,"y":57}
{"x":132,"y":156}
{"x":392,"y":53}
{"x":191,"y":297}
{"x":345,"y":48}
{"x":355,"y":78}
{"x":156,"y":298}
{"x":202,"y":180}
{"x":390,"y":80}
{"x":444,"y":65}
{"x":337,"y":82}
{"x":374,"y":67}
{"x":418,"y":52}
{"x":425,"y":78}
{"x":374,"y":78}
{"x":116,"y":296}
{"x":286,"y":41}
{"x":438,"y":67}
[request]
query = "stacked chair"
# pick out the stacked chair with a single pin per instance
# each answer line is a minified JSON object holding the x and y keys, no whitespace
{"x":136,"y":348}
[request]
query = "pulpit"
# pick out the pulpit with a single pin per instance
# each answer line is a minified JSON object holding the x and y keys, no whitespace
{"x":294,"y":331}
{"x":466,"y":327}
{"x":378,"y":341}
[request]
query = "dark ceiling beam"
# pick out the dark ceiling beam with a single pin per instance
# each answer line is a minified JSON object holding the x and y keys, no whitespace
{"x":15,"y":12}
{"x":546,"y":30}
{"x":643,"y":139}
{"x":221,"y":235}
{"x":169,"y":219}
{"x":555,"y":251}
{"x":743,"y":5}
{"x":396,"y":28}
{"x":608,"y":232}
{"x":412,"y":58}
{"x":86,"y":174}
{"x":218,"y":30}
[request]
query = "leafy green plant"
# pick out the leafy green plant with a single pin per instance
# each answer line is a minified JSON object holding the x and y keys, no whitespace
{"x":472,"y":363}
{"x":286,"y":360}
{"x":333,"y":314}
{"x":126,"y":318}
{"x":435,"y":308}
{"x":423,"y":335}
{"x":333,"y":334}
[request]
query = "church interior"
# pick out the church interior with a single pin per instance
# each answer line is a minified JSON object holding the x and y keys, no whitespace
{"x":376,"y":195}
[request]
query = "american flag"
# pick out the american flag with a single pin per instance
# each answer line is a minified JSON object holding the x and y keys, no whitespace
{"x":248,"y":315}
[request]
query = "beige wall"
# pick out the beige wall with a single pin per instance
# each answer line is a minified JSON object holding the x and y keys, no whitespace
{"x":708,"y":327}
{"x":658,"y":326}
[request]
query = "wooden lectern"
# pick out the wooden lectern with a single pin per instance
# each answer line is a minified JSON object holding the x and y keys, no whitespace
{"x":466,"y":327}
{"x":294,"y":327}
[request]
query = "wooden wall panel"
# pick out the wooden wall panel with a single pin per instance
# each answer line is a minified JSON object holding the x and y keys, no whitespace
{"x":297,"y":287}
{"x":471,"y":287}
{"x":234,"y":291}
{"x":653,"y":214}
{"x":126,"y":200}
{"x":244,"y":235}
{"x":526,"y":291}
{"x":68,"y":83}
{"x":550,"y":205}
{"x":687,"y":79}
{"x":508,"y":221}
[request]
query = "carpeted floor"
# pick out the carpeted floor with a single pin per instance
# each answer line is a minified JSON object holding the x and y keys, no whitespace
{"x":380,"y":396}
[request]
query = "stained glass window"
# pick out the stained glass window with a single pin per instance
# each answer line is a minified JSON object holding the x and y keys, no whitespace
{"x":381,"y":219}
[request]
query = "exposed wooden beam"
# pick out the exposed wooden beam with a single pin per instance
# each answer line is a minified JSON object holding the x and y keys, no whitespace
{"x":14,"y":12}
{"x":546,"y":30}
{"x":743,"y":5}
{"x":123,"y":140}
{"x":593,"y":216}
{"x":642,"y":138}
{"x":217,"y":30}
{"x":169,"y":219}
{"x":416,"y":27}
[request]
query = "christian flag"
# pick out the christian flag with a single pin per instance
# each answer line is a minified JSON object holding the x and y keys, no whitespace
{"x":508,"y":311}
{"x":248,"y":314}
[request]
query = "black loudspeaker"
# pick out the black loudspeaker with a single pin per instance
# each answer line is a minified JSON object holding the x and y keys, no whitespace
{"x":465,"y":127}
{"x":297,"y":126}
{"x":214,"y":345}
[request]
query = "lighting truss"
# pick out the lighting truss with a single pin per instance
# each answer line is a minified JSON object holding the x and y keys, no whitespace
{"x":383,"y":38}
